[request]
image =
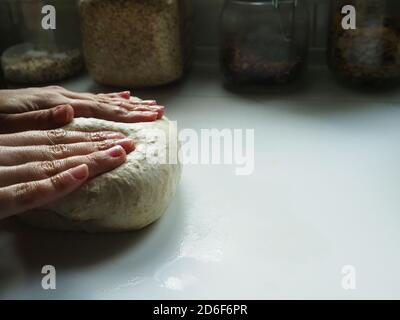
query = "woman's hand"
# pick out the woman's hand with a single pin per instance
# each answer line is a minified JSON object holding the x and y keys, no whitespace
{"x":53,"y":107}
{"x":39,"y":167}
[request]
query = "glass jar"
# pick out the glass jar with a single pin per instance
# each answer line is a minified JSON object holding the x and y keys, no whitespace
{"x":136,"y":43}
{"x":370,"y":54}
{"x":264,"y":42}
{"x":8,"y":34}
{"x":2,"y":81}
{"x":45,"y":55}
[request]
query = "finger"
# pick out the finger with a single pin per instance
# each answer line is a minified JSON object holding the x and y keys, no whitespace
{"x":153,"y":103}
{"x":37,"y":120}
{"x":98,"y":163}
{"x":144,"y":105}
{"x":121,"y":101}
{"x":26,"y":196}
{"x":141,"y":116}
{"x":123,"y":94}
{"x":58,"y":136}
{"x":159,"y":109}
{"x":94,"y":109}
{"x":12,"y":156}
{"x":91,"y":96}
{"x":138,"y":101}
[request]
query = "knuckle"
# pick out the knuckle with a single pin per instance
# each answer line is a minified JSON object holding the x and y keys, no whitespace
{"x":58,"y":151}
{"x":26,"y":194}
{"x":99,"y":162}
{"x":89,"y":159}
{"x":96,"y":136}
{"x":120,"y":111}
{"x":102,"y":99}
{"x":56,"y":135}
{"x":55,"y":88}
{"x":58,"y":182}
{"x":103,"y":145}
{"x":49,"y":96}
{"x":49,"y":168}
{"x":94,"y":107}
{"x":92,"y":160}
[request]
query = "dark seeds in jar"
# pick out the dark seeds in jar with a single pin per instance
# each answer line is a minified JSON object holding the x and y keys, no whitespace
{"x":252,"y":61}
{"x":369,"y":55}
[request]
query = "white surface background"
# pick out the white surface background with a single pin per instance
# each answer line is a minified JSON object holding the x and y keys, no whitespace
{"x":325,"y":193}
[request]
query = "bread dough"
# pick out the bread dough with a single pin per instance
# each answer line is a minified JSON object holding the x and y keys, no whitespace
{"x":127,"y":198}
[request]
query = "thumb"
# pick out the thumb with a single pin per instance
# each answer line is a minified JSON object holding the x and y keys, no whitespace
{"x":37,"y":120}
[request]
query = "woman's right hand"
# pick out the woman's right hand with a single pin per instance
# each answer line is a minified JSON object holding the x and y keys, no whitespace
{"x":39,"y":167}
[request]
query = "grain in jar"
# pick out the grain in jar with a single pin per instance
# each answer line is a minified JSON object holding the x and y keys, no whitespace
{"x":42,"y":55}
{"x":136,"y":43}
{"x":370,"y":54}
{"x":25,"y":64}
{"x":263,"y":42}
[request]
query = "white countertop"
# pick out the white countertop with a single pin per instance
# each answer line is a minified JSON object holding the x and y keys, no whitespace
{"x":325,"y":194}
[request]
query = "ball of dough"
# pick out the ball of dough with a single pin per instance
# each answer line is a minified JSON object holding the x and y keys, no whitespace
{"x":127,"y":198}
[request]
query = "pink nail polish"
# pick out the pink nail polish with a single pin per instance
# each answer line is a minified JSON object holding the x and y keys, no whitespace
{"x":125,"y":94}
{"x":149,"y":102}
{"x":81,"y":172}
{"x":116,"y":151}
{"x":127,"y":144}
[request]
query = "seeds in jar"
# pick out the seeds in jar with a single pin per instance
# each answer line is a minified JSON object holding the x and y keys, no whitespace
{"x":39,"y":67}
{"x":369,"y":53}
{"x":254,"y":60}
{"x":133,"y":43}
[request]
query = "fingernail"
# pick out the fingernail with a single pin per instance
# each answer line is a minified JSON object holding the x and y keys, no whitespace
{"x":161,"y":112}
{"x":127,"y":144}
{"x":81,"y":172}
{"x":149,"y":102}
{"x":116,"y":152}
{"x":125,"y":94}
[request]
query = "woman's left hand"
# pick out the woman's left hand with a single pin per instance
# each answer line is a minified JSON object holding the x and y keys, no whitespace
{"x":54,"y":107}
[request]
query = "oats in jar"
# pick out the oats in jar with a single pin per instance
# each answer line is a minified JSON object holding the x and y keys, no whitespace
{"x":135,"y":43}
{"x":25,"y":64}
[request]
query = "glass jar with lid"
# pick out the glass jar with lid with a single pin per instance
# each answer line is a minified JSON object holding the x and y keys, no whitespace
{"x":45,"y":55}
{"x":136,"y":43}
{"x":264,"y":41}
{"x":370,"y":53}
